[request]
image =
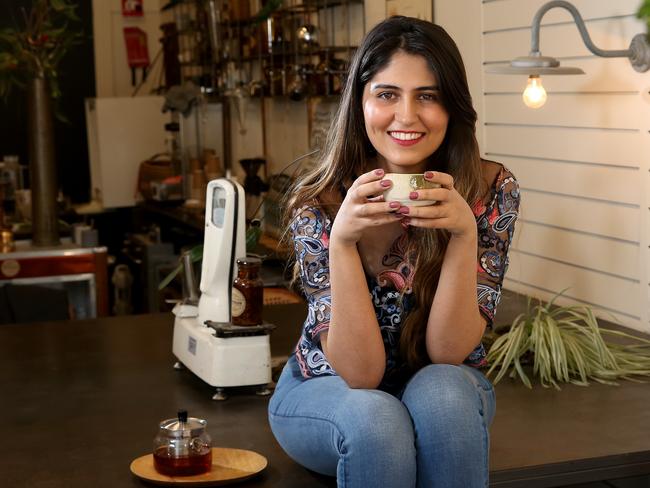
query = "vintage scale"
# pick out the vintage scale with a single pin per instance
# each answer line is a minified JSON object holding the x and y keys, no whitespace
{"x":205,"y":341}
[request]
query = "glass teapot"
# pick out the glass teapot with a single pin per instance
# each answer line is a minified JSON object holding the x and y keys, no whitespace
{"x":182,"y":447}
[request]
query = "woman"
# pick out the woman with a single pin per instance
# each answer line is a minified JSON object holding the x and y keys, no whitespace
{"x":383,"y":389}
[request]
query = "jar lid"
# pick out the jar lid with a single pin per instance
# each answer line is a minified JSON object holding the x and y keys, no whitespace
{"x":183,"y":426}
{"x":249,"y":261}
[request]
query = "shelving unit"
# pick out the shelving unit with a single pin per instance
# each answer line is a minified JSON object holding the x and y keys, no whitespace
{"x":224,"y":46}
{"x":238,"y":50}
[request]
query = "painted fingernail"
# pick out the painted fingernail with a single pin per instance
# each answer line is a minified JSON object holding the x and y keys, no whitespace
{"x":385,"y":183}
{"x":404,"y":210}
{"x":393,"y":204}
{"x":379,"y":172}
{"x":428,"y":175}
{"x":398,"y":215}
{"x":413,"y":195}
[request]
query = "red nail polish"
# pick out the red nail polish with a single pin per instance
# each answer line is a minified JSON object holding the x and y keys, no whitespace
{"x":379,"y":172}
{"x":413,"y":195}
{"x":385,"y":183}
{"x":393,"y":204}
{"x":404,"y":210}
{"x":428,"y":175}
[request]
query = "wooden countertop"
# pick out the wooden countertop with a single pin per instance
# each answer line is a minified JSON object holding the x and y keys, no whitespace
{"x":82,"y":399}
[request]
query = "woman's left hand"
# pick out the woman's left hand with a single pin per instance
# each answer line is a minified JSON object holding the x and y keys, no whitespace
{"x":450,"y":211}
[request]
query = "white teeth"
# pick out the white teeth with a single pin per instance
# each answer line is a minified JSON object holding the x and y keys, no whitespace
{"x":406,"y":136}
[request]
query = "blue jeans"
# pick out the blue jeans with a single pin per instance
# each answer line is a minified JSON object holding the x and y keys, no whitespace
{"x":435,"y":434}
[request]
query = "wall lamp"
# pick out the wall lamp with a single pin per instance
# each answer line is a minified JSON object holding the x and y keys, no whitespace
{"x":535,"y":64}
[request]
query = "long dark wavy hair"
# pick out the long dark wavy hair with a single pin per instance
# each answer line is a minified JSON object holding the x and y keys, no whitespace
{"x":348,"y":153}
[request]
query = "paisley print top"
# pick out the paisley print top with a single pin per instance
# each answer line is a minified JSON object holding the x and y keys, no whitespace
{"x":311,"y":229}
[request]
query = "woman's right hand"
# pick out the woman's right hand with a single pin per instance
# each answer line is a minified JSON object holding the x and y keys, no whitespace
{"x":364,"y":207}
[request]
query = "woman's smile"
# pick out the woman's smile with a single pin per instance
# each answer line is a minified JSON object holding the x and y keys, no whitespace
{"x":406,"y":138}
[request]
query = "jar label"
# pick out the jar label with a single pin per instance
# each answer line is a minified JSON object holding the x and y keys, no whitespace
{"x":238,"y":303}
{"x":10,"y":268}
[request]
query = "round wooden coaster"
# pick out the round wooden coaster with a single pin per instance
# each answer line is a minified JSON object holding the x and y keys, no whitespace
{"x":228,"y":465}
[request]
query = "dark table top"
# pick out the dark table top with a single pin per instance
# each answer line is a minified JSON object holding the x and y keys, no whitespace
{"x":80,"y":400}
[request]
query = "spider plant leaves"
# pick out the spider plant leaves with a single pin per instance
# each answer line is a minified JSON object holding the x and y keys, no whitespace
{"x":567,"y":346}
{"x":196,"y":254}
{"x":253,"y":234}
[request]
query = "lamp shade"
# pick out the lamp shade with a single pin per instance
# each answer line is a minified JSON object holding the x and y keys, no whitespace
{"x":534,"y":65}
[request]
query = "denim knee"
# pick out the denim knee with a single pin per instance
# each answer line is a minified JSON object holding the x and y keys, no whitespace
{"x":363,"y":437}
{"x":379,"y":422}
{"x":377,"y":442}
{"x":448,"y":391}
{"x":451,"y":407}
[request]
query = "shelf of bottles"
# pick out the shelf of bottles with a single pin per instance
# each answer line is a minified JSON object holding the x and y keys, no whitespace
{"x":289,"y":48}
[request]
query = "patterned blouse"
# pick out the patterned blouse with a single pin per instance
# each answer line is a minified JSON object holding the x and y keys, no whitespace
{"x":311,"y":229}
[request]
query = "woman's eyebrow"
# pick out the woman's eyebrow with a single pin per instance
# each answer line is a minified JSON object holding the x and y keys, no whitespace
{"x":383,"y":86}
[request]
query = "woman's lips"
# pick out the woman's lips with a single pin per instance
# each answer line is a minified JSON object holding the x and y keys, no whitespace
{"x":406,"y":138}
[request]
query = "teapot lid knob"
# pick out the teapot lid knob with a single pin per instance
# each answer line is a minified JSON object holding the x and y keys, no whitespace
{"x":182,"y":416}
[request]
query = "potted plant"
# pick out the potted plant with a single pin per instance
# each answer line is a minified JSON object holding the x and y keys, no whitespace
{"x":565,"y":345}
{"x":29,"y":58}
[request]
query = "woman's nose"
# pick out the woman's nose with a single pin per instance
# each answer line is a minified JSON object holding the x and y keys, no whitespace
{"x":406,"y":111}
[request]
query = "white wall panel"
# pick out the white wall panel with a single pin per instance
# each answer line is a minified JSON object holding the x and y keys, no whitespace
{"x":614,"y":184}
{"x":611,"y":292}
{"x":591,"y":216}
{"x":620,"y":148}
{"x":622,"y":318}
{"x":584,"y":250}
{"x":611,"y":111}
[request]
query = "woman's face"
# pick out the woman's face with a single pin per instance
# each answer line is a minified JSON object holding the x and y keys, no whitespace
{"x":403,"y":115}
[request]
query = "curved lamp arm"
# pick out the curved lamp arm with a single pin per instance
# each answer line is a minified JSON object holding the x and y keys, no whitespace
{"x":534,"y":45}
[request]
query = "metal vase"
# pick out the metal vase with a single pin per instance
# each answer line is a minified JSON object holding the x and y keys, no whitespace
{"x":42,"y":166}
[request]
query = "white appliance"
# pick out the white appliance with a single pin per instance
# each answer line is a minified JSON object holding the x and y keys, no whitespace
{"x":221,"y":354}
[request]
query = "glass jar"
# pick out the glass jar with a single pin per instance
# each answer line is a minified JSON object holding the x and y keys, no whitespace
{"x":247,"y":293}
{"x":182,"y":447}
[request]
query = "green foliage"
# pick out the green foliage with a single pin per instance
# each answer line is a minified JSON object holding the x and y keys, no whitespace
{"x":253,"y":234}
{"x":266,"y":11}
{"x":36,"y":49}
{"x":644,"y":14}
{"x":196,"y":254}
{"x":566,"y":345}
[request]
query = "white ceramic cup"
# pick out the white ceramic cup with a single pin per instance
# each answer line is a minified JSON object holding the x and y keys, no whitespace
{"x":403,"y":185}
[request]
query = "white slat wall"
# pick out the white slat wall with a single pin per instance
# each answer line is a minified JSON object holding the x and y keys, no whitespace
{"x":582,"y":160}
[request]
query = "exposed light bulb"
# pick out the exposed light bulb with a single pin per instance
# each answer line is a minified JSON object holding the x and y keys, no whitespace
{"x":534,"y":94}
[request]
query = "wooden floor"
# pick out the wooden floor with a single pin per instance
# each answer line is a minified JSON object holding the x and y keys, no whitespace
{"x":636,"y":482}
{"x":96,"y":389}
{"x":578,"y":434}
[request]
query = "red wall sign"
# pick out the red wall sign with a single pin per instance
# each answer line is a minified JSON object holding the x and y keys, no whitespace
{"x":136,"y":47}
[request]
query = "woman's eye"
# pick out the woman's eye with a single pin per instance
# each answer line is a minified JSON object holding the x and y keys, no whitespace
{"x":429,"y":97}
{"x":386,"y":95}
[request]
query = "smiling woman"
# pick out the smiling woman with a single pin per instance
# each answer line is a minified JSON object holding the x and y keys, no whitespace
{"x":386,"y":366}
